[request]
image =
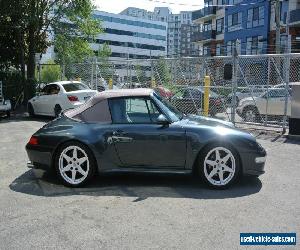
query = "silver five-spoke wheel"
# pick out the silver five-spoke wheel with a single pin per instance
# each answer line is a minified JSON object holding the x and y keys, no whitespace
{"x":73,"y":165}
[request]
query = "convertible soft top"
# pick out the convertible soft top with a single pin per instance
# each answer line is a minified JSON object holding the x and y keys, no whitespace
{"x":97,"y":110}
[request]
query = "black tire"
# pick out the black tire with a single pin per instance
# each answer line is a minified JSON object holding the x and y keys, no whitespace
{"x":30,"y":110}
{"x":90,"y":166}
{"x":203,"y":169}
{"x":8,"y":114}
{"x":251,"y":114}
{"x":57,"y":110}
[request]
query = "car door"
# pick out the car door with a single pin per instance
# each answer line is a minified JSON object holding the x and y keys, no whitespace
{"x":39,"y":101}
{"x":50,"y":100}
{"x":140,"y":141}
{"x":276,"y":102}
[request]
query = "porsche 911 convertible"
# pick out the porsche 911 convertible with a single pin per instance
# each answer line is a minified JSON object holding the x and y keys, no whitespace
{"x":138,"y":130}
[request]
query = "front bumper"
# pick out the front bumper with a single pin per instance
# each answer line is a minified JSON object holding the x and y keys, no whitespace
{"x":254,"y":162}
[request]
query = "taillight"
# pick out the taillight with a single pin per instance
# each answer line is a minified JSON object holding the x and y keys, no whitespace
{"x":33,"y":141}
{"x":72,"y":98}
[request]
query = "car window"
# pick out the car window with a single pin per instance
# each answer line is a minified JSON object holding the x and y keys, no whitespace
{"x":192,"y":93}
{"x":69,"y":87}
{"x":133,"y":110}
{"x":53,"y":89}
{"x":276,"y":93}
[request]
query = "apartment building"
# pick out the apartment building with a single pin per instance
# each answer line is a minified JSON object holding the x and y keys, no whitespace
{"x":293,"y":8}
{"x":247,"y":26}
{"x":208,"y":33}
{"x":180,"y":29}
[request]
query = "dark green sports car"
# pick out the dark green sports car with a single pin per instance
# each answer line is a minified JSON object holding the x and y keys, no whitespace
{"x":137,"y":130}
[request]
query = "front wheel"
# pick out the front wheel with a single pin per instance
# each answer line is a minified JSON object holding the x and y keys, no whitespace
{"x":251,"y":114}
{"x":219,"y":166}
{"x":75,"y":164}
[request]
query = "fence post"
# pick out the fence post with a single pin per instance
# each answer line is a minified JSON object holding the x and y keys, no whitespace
{"x":110,"y":83}
{"x":206,"y":95}
{"x":287,"y":83}
{"x":234,"y":84}
{"x":63,"y":72}
{"x":267,"y":103}
{"x":96,"y":73}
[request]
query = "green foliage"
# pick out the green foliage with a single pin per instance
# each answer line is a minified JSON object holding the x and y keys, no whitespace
{"x":72,"y":39}
{"x":141,"y":74}
{"x":162,"y":73}
{"x":50,"y":72}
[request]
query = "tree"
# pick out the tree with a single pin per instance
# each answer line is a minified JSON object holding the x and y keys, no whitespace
{"x":162,"y":72}
{"x":25,"y":25}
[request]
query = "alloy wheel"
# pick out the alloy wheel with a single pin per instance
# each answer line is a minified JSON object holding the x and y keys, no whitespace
{"x":74,"y":165}
{"x":219,"y":166}
{"x":250,"y":115}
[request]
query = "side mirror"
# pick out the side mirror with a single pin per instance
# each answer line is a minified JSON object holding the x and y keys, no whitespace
{"x":162,"y":120}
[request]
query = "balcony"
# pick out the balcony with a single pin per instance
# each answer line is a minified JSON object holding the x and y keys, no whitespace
{"x":205,"y":13}
{"x":203,"y":36}
{"x":295,"y":17}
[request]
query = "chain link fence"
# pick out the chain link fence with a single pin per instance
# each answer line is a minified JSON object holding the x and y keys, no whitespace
{"x":247,"y":89}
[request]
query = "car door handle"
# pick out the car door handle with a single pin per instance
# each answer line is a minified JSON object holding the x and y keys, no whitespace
{"x":118,"y":133}
{"x":119,"y":136}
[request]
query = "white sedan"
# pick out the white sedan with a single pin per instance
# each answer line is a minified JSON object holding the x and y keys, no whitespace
{"x":58,"y":96}
{"x":271,"y":103}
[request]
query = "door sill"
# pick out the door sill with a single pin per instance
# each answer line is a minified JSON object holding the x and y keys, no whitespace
{"x":148,"y":170}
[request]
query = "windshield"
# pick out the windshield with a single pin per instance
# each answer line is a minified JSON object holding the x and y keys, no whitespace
{"x":173,"y":113}
{"x":69,"y":87}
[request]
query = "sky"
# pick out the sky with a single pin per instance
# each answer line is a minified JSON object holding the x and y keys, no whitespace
{"x":116,"y":6}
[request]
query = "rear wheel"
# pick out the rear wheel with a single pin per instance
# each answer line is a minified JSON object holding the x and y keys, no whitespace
{"x":219,"y":165}
{"x":74,"y":164}
{"x":251,"y":114}
{"x":57,"y":110}
{"x":8,"y":114}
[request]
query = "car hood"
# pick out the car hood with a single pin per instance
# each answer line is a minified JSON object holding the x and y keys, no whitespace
{"x":201,"y":120}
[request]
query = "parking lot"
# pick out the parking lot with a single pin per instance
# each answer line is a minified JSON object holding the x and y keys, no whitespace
{"x":134,"y":211}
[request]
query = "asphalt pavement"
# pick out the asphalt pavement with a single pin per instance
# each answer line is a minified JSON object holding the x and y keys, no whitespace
{"x":142,"y":211}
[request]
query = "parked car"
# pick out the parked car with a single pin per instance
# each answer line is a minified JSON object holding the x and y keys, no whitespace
{"x":164,"y":92}
{"x":5,"y":105}
{"x":252,"y":91}
{"x":58,"y":96}
{"x":272,"y":103}
{"x":138,"y":130}
{"x":190,"y":100}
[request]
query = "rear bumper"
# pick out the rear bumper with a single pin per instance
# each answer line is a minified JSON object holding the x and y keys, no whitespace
{"x":38,"y":159}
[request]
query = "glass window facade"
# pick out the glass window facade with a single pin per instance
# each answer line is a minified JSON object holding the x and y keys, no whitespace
{"x":254,"y":45}
{"x":230,"y":47}
{"x":130,"y":22}
{"x":220,"y":25}
{"x":135,"y":34}
{"x":131,"y":45}
{"x":234,"y":21}
{"x":255,"y":17}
